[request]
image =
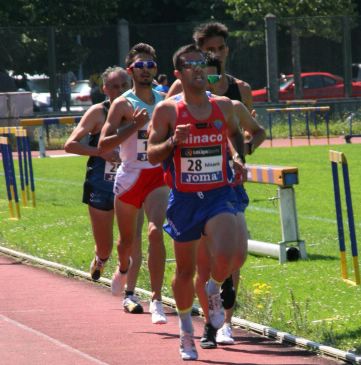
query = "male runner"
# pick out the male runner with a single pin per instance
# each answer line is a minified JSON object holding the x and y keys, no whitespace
{"x":190,"y":135}
{"x":137,"y":183}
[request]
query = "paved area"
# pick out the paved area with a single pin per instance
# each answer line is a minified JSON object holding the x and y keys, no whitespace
{"x":47,"y":318}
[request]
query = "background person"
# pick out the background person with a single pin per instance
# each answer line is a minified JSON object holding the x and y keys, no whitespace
{"x":162,"y":83}
{"x":65,"y":79}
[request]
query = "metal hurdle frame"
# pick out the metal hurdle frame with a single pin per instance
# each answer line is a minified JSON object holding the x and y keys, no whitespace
{"x":44,"y":122}
{"x":291,"y":247}
{"x":337,"y":158}
{"x":10,"y":179}
{"x":24,"y":161}
{"x":289,"y":110}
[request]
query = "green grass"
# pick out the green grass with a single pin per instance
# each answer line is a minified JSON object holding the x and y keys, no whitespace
{"x":307,"y":298}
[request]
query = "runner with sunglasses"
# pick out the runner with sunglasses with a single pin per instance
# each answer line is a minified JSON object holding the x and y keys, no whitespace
{"x":257,"y":134}
{"x":190,"y":136}
{"x":137,"y":182}
{"x":98,"y":186}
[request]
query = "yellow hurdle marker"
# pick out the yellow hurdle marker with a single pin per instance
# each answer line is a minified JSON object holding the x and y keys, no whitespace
{"x":339,"y":158}
{"x":10,"y":180}
{"x":291,"y":247}
{"x":306,"y":110}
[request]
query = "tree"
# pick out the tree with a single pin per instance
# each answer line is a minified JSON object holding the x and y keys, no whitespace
{"x":299,"y":18}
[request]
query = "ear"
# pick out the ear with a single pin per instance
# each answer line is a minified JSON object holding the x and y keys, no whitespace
{"x":177,"y":74}
{"x":129,"y":71}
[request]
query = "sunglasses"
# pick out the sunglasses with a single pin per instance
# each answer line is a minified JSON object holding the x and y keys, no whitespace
{"x":213,"y":79}
{"x":193,"y":64}
{"x":143,"y":64}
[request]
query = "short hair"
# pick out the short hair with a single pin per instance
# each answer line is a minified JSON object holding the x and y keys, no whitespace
{"x":214,"y":61}
{"x":208,"y":30}
{"x":139,"y":49}
{"x":109,"y":70}
{"x":177,"y":57}
{"x":162,"y":77}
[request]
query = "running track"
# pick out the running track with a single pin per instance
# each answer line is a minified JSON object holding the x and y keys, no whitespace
{"x":47,"y":318}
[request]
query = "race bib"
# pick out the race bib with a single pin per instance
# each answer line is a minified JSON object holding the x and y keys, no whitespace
{"x":201,"y":165}
{"x":142,"y":142}
{"x":110,"y":170}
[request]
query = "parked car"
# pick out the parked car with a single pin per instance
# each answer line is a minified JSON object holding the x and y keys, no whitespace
{"x":316,"y":85}
{"x":38,"y":85}
{"x":80,"y":94}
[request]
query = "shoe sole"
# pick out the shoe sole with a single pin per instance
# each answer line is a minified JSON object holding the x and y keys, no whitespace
{"x":96,"y":275}
{"x":207,"y":346}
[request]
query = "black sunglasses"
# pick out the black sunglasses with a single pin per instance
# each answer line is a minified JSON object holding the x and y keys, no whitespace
{"x":143,"y":64}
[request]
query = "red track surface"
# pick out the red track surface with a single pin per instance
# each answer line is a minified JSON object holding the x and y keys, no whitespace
{"x":46,"y":318}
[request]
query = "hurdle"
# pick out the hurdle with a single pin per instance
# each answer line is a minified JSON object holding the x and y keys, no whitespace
{"x":291,"y":247}
{"x":24,"y":161}
{"x":45,"y":122}
{"x":306,"y":110}
{"x":337,"y":158}
{"x":10,"y":180}
{"x":350,"y":134}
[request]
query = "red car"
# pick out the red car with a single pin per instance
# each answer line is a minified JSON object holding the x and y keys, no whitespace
{"x":316,"y":85}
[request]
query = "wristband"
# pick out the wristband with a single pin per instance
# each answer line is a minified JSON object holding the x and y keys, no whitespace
{"x":172,"y":141}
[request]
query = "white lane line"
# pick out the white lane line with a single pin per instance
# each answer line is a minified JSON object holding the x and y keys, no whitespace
{"x":52,"y":340}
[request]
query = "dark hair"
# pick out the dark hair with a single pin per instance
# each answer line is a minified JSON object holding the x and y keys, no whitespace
{"x":139,"y":49}
{"x":177,"y":57}
{"x":109,"y":70}
{"x":208,"y":30}
{"x":213,"y":60}
{"x":162,"y":77}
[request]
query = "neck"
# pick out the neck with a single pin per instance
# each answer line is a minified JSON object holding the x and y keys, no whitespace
{"x":144,"y":93}
{"x":196,"y":99}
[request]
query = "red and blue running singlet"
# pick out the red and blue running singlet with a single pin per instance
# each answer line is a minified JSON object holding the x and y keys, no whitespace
{"x":200,"y":162}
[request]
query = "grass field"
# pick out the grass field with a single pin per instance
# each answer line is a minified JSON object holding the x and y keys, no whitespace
{"x":307,"y":298}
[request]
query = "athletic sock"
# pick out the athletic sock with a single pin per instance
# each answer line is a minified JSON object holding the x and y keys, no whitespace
{"x":213,"y":286}
{"x":185,"y":320}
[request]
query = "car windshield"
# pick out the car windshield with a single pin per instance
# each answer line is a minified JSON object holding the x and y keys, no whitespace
{"x":80,"y":87}
{"x":285,"y":81}
{"x":39,"y":85}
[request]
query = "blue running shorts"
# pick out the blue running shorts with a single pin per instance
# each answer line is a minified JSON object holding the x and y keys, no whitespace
{"x":188,"y":213}
{"x":96,"y":198}
{"x":242,"y":198}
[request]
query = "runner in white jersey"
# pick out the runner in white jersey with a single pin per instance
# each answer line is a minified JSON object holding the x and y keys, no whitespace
{"x":137,"y":183}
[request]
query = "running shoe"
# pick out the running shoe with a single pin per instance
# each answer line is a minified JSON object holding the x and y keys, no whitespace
{"x":224,"y":335}
{"x":131,"y":304}
{"x":208,"y":340}
{"x":119,"y":280}
{"x":216,"y":311}
{"x":228,"y":293}
{"x":156,"y":309}
{"x":187,"y":348}
{"x":96,"y":269}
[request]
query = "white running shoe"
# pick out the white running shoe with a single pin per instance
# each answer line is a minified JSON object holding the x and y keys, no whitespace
{"x":224,"y":335}
{"x":216,"y":311}
{"x":187,"y":348}
{"x":119,"y":280}
{"x":156,"y":309}
{"x":131,"y":304}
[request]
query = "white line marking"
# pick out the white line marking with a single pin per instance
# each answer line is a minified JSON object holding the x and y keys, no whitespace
{"x":53,"y":340}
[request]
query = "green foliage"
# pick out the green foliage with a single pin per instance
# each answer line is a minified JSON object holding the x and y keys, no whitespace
{"x":311,"y":17}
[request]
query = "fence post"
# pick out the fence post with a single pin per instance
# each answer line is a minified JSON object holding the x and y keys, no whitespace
{"x":272,"y":60}
{"x":123,"y":40}
{"x":347,"y":56}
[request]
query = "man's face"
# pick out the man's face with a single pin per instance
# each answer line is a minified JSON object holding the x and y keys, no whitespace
{"x":118,"y":82}
{"x":192,"y":71}
{"x":143,"y":70}
{"x":218,"y":46}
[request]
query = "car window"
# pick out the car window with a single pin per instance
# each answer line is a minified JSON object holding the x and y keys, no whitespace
{"x":38,"y":85}
{"x":328,"y":81}
{"x":80,"y":87}
{"x":312,"y":82}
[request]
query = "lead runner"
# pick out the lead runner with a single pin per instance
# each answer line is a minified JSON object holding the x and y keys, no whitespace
{"x":190,"y":136}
